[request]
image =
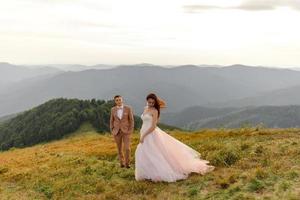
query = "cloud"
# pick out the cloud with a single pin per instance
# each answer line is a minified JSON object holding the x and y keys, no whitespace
{"x":89,"y":24}
{"x":256,"y":5}
{"x":199,"y":8}
{"x":248,"y":5}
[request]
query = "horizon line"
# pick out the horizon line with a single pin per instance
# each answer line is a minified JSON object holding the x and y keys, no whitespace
{"x":149,"y":64}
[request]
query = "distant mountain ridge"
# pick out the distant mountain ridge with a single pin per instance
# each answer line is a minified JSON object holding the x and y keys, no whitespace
{"x":181,"y":86}
{"x":12,"y":73}
{"x":77,"y":67}
{"x":285,"y":96}
{"x":195,"y":118}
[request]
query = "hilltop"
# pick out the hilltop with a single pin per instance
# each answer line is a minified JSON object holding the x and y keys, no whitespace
{"x":251,"y":163}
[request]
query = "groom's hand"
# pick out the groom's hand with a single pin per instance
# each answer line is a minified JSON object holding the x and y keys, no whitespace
{"x":113,"y":133}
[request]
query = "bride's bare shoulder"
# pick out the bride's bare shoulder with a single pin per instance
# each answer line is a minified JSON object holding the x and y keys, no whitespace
{"x":145,"y":108}
{"x":153,"y":111}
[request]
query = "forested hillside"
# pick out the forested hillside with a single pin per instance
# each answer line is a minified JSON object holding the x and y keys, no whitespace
{"x":53,"y":120}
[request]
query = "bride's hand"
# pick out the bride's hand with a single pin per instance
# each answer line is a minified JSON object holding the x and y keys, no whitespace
{"x":141,"y":139}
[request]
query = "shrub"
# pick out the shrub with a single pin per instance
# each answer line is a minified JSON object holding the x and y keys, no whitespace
{"x":193,"y":192}
{"x":46,"y":190}
{"x":256,"y":185}
{"x":225,"y":157}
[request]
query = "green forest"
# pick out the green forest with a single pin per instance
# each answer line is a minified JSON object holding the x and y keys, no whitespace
{"x":55,"y":119}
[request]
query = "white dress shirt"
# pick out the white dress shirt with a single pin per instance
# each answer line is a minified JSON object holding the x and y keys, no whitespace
{"x":120,"y":111}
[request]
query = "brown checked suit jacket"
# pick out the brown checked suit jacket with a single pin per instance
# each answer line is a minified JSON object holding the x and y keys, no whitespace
{"x":126,"y":124}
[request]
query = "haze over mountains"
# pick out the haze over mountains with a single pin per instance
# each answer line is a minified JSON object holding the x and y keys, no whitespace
{"x":198,"y":117}
{"x":76,"y":67}
{"x":181,"y":86}
{"x":10,"y":73}
{"x":13,"y":73}
{"x":285,"y":96}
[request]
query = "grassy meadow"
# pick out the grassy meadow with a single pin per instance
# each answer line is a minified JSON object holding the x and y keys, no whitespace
{"x":251,"y":163}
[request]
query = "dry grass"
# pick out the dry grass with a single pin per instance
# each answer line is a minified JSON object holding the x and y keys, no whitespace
{"x":251,"y":164}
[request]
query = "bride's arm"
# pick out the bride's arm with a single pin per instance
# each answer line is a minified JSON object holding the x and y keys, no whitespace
{"x":153,"y":126}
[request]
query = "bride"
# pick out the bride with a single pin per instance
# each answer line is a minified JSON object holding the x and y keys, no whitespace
{"x":159,"y":156}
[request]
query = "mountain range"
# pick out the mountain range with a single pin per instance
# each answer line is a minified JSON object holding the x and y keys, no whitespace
{"x":13,"y":73}
{"x":198,"y":117}
{"x":181,"y":86}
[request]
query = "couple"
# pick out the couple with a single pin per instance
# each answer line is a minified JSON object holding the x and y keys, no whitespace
{"x":159,"y":156}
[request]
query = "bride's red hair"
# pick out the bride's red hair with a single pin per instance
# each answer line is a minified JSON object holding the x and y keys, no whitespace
{"x":159,"y":103}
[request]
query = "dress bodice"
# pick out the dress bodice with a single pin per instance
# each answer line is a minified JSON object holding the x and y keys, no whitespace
{"x":147,"y":120}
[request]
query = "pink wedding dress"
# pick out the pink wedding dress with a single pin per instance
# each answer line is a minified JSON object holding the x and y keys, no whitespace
{"x":161,"y":157}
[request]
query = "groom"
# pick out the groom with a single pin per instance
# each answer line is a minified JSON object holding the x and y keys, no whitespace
{"x":121,"y":127}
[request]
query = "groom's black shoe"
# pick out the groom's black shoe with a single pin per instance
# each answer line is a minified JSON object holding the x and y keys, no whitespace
{"x":127,"y":166}
{"x":122,"y":166}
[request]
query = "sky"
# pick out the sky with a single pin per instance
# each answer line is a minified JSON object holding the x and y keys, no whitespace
{"x":164,"y":32}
